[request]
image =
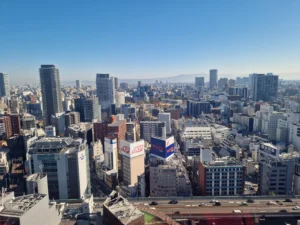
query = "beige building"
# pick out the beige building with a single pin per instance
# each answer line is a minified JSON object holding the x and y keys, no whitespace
{"x":132,"y":161}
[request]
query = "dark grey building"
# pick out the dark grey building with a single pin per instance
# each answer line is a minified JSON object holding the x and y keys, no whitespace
{"x":213,"y":79}
{"x":264,"y":87}
{"x":4,"y":85}
{"x":199,"y":82}
{"x":91,"y":109}
{"x":150,"y":129}
{"x":195,"y":108}
{"x":88,"y":108}
{"x":51,"y":93}
{"x":105,"y":90}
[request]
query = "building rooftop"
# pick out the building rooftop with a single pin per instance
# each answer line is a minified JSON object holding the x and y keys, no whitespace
{"x":20,"y":205}
{"x":224,"y":161}
{"x":122,"y":208}
{"x":36,"y":176}
{"x":116,"y":123}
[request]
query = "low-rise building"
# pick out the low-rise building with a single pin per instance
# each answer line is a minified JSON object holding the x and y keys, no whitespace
{"x":224,"y":176}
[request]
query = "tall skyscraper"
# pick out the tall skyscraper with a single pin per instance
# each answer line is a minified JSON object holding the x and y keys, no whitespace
{"x":199,"y":82}
{"x":4,"y":85}
{"x":264,"y":87}
{"x":51,"y":94}
{"x":213,"y":79}
{"x":78,"y":84}
{"x":105,"y":90}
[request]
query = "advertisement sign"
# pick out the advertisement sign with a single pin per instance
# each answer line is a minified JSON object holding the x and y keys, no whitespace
{"x":269,"y":150}
{"x":169,"y":141}
{"x":132,"y":149}
{"x":162,"y":148}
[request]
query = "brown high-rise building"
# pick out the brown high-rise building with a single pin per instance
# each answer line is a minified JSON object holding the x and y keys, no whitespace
{"x":72,"y":118}
{"x":117,"y":129}
{"x":15,"y":124}
{"x":100,"y":130}
{"x":6,"y":126}
{"x":175,"y":114}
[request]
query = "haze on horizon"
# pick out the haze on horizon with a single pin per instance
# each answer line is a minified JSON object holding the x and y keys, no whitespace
{"x":149,"y":39}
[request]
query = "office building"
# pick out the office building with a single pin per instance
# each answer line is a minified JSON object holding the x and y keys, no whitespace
{"x":119,"y":211}
{"x":51,"y":93}
{"x":169,"y":178}
{"x":105,"y":90}
{"x":37,"y":183}
{"x":120,"y":98}
{"x":78,"y":84}
{"x":265,"y":87}
{"x":196,"y":108}
{"x":67,"y":104}
{"x":72,"y":118}
{"x":213,"y":79}
{"x":15,"y":124}
{"x":294,"y":135}
{"x":91,"y":109}
{"x":223,"y":83}
{"x":116,"y":81}
{"x":28,"y":121}
{"x":5,"y":124}
{"x":199,"y":82}
{"x":33,"y":209}
{"x":131,"y":131}
{"x":165,"y":117}
{"x":66,"y":163}
{"x":58,"y":121}
{"x":150,"y":129}
{"x":80,"y":130}
{"x":231,"y":83}
{"x":276,"y":174}
{"x":88,"y":108}
{"x":117,"y":129}
{"x":100,"y":130}
{"x":132,"y":161}
{"x":4,"y":85}
{"x":224,"y":176}
{"x":111,"y":153}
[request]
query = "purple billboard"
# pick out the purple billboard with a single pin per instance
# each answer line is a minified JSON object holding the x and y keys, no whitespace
{"x":162,"y":148}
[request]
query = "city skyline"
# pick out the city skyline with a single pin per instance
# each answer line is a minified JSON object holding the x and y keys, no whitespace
{"x":157,"y":39}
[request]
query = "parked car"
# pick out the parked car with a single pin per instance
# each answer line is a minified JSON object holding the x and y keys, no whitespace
{"x":250,"y":201}
{"x":237,"y":211}
{"x":177,"y":212}
{"x":288,"y":200}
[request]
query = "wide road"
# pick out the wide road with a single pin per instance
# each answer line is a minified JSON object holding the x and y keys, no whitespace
{"x":227,"y":206}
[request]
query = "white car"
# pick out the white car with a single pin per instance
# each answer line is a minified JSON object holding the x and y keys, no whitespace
{"x":213,"y":201}
{"x":296,"y":208}
{"x":187,"y":205}
{"x":271,"y":203}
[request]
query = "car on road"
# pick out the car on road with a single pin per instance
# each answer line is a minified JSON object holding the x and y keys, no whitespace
{"x":177,"y":212}
{"x":271,"y":203}
{"x":213,"y":201}
{"x":153,"y":203}
{"x":244,"y":204}
{"x":146,"y":204}
{"x":283,"y":211}
{"x":296,"y":208}
{"x":173,"y":202}
{"x":217,"y":203}
{"x":288,"y":200}
{"x":250,"y":201}
{"x":202,"y":204}
{"x":237,"y":211}
{"x":153,"y":208}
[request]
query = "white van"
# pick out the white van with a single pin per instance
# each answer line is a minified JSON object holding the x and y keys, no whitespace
{"x":237,"y":211}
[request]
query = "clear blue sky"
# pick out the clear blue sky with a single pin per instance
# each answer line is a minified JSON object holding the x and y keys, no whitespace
{"x":148,"y":38}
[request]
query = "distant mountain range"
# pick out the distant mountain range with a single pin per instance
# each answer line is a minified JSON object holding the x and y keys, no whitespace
{"x":183,"y":78}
